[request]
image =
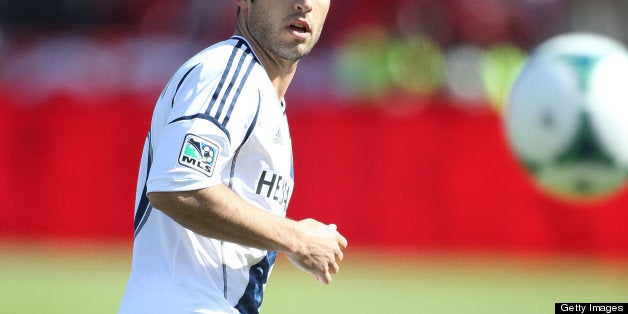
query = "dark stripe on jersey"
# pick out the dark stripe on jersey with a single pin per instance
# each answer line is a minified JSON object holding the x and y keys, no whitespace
{"x":143,"y":208}
{"x":223,"y":78}
{"x":283,"y":106}
{"x":181,"y":82}
{"x":237,"y":93}
{"x":141,"y":212}
{"x":234,"y":78}
{"x":233,"y":165}
{"x":224,"y":269}
{"x":205,"y":117}
{"x":144,"y":219}
{"x":246,"y":137}
{"x":251,"y":300}
{"x":163,"y":92}
{"x":247,"y":46}
{"x":254,"y":122}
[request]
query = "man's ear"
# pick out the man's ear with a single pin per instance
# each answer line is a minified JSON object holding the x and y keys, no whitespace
{"x":243,"y":4}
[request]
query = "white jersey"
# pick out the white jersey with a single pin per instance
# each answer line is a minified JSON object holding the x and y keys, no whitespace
{"x":218,"y":120}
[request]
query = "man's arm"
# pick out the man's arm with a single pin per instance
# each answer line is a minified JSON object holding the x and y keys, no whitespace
{"x":217,"y":212}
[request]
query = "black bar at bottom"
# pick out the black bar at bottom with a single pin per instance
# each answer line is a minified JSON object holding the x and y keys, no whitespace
{"x":584,"y":308}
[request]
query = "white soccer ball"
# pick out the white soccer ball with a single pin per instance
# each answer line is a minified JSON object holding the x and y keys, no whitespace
{"x":567,"y":116}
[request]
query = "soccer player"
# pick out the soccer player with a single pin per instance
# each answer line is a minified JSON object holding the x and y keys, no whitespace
{"x":216,"y":173}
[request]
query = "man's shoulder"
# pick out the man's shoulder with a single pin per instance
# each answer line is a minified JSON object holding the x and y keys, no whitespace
{"x":225,"y":53}
{"x":231,"y":57}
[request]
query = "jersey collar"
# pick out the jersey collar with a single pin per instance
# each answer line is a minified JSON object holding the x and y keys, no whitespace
{"x":248,"y":45}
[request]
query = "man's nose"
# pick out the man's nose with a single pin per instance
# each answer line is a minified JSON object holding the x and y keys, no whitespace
{"x":303,"y":5}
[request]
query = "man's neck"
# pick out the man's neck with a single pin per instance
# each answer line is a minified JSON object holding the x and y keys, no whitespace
{"x":280,"y":71}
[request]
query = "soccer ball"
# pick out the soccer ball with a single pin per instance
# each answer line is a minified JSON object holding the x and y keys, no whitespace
{"x":567,"y":116}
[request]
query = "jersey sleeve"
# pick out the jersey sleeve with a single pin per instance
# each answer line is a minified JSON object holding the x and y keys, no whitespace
{"x":209,"y":116}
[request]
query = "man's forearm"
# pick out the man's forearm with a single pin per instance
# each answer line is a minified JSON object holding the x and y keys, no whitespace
{"x":217,"y":212}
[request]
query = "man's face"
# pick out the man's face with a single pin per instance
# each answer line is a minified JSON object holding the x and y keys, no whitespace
{"x":287,"y":28}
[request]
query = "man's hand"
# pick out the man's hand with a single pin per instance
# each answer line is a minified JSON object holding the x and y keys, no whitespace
{"x":217,"y":212}
{"x":320,"y":249}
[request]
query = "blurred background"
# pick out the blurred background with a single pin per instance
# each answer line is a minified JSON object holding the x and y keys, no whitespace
{"x":397,"y":132}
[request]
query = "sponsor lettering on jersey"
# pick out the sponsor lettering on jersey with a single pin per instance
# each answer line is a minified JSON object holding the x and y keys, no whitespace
{"x":199,"y":154}
{"x":273,"y":186}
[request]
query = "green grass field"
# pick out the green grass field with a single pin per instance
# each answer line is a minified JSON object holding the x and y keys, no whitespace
{"x":87,"y":279}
